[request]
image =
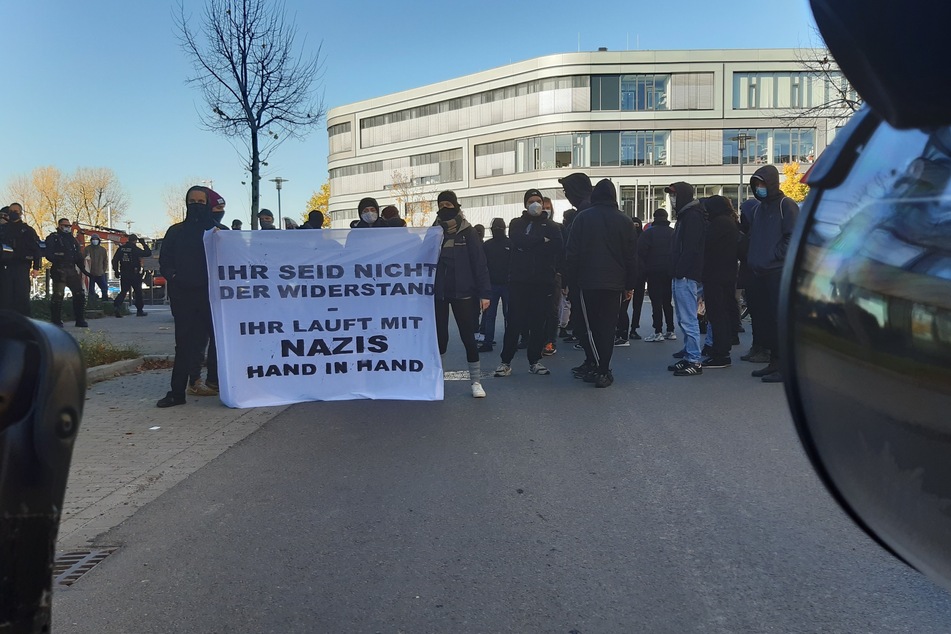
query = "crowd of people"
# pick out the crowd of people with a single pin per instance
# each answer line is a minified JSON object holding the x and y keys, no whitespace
{"x":582,"y":281}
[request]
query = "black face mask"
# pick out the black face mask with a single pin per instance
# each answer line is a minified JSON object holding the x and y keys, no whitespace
{"x":447,"y":213}
{"x":13,"y":216}
{"x":200,"y":213}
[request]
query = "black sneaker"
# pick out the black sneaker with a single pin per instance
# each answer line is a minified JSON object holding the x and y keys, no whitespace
{"x":484,"y":348}
{"x":141,"y":313}
{"x":680,"y":365}
{"x":563,"y":333}
{"x":582,"y":369}
{"x":82,"y":324}
{"x":170,"y":401}
{"x":591,"y":376}
{"x":706,"y":351}
{"x":635,"y":336}
{"x":570,"y":339}
{"x":774,"y":377}
{"x":604,"y":380}
{"x":716,"y":362}
{"x":770,"y":369}
{"x":680,"y":354}
{"x":691,"y":369}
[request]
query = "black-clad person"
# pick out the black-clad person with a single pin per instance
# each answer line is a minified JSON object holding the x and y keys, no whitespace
{"x":66,"y":262}
{"x":127,"y":265}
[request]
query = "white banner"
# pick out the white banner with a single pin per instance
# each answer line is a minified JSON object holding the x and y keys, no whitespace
{"x":324,"y":315}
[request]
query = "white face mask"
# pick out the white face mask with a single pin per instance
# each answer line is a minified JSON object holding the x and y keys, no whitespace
{"x":369,"y":217}
{"x":535,"y":209}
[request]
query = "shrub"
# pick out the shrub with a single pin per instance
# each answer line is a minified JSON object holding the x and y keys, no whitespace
{"x":97,"y":350}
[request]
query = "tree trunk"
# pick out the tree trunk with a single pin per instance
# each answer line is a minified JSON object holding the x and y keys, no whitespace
{"x":255,"y":178}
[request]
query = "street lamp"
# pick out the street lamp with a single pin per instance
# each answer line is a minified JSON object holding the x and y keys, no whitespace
{"x":278,"y":181}
{"x":741,"y":140}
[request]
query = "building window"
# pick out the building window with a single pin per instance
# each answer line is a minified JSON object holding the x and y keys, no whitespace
{"x":644,"y":92}
{"x":765,"y":91}
{"x":652,"y":92}
{"x":782,"y":145}
{"x":340,"y":128}
{"x":644,"y":147}
{"x":516,"y":156}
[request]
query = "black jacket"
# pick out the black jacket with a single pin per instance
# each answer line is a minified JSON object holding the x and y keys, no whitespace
{"x":23,"y":241}
{"x":182,"y":258}
{"x":498,"y":258}
{"x":127,"y":260}
{"x":720,"y":247}
{"x":462,"y":272}
{"x":63,"y":252}
{"x":772,"y":224}
{"x":537,"y":250}
{"x":686,"y":245}
{"x":653,"y":247}
{"x":601,"y":253}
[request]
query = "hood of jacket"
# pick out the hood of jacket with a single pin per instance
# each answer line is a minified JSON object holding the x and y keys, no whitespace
{"x":769,"y":175}
{"x":684,"y":194}
{"x":577,"y":188}
{"x":604,"y":193}
{"x":718,"y":206}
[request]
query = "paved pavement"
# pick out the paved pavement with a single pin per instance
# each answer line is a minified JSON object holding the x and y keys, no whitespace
{"x":128,"y":451}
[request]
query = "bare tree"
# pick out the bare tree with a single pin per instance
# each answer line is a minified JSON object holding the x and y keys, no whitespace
{"x":840,"y":101}
{"x":255,"y":84}
{"x":416,"y":199}
{"x":173,"y":199}
{"x":95,"y":196}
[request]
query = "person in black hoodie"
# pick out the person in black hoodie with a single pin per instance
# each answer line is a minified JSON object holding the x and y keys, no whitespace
{"x":719,"y":277}
{"x":601,"y":262}
{"x":577,"y":188}
{"x":498,"y":258}
{"x":653,"y":251}
{"x":369,"y":211}
{"x":462,"y":283}
{"x":315,"y":220}
{"x":182,"y":263}
{"x":127,"y":265}
{"x":686,"y":269}
{"x":537,"y":254}
{"x":770,"y":231}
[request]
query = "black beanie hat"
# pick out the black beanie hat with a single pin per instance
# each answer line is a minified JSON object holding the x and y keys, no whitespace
{"x":529,"y":194}
{"x":367,"y":202}
{"x":448,"y":196}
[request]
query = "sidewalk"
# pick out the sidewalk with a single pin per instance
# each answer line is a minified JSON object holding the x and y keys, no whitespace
{"x":128,"y":451}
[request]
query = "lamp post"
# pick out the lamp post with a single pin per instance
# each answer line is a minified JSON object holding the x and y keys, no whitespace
{"x":741,"y":140}
{"x":278,"y":181}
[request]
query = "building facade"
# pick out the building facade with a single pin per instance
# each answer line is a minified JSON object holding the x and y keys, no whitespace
{"x":644,"y":119}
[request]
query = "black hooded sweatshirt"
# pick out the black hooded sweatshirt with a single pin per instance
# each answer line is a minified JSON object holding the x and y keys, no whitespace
{"x":537,"y":249}
{"x":498,"y":257}
{"x":653,"y":247}
{"x":686,"y":244}
{"x":602,"y":252}
{"x":772,"y":224}
{"x":182,"y":258}
{"x":720,"y":257}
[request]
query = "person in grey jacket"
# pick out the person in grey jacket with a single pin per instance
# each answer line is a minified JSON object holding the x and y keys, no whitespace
{"x":771,"y":228}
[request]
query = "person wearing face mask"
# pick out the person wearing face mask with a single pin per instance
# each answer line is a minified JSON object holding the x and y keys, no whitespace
{"x":369,"y":212}
{"x":182,"y":263}
{"x":537,"y":256}
{"x":461,"y":284}
{"x":498,"y":259}
{"x":127,"y":265}
{"x":773,"y":220}
{"x":66,"y":260}
{"x":20,"y":250}
{"x":266,"y":220}
{"x":217,"y":203}
{"x":98,"y":268}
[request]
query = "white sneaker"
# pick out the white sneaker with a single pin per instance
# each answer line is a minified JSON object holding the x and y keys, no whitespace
{"x":654,"y":337}
{"x":504,"y":369}
{"x":538,"y":368}
{"x":477,"y":391}
{"x":670,"y":336}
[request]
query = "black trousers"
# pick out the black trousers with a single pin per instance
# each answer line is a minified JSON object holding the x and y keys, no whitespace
{"x":764,"y":310}
{"x":192,"y":313}
{"x":551,"y":319}
{"x":464,"y":311}
{"x":598,"y":314}
{"x":15,"y":287}
{"x":718,"y":296}
{"x":662,"y":304}
{"x":626,"y":324}
{"x":63,"y":279}
{"x":529,"y":311}
{"x":130,"y":282}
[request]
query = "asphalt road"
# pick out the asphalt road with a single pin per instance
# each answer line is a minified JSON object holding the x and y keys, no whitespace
{"x":661,"y":504}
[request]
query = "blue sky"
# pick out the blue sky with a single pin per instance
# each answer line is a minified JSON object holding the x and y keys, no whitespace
{"x":101,"y":83}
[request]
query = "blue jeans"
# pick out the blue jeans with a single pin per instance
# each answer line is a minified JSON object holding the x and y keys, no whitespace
{"x":500,"y":292}
{"x":685,"y":305}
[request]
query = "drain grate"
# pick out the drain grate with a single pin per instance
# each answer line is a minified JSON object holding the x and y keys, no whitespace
{"x":72,"y":565}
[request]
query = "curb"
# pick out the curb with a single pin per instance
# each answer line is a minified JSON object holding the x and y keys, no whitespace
{"x":126,"y":366}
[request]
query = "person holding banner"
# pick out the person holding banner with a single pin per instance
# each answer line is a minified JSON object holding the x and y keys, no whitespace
{"x":182,"y":263}
{"x":369,"y":211}
{"x":462,"y":283}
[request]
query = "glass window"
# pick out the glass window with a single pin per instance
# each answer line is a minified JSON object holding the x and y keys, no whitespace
{"x":595,"y":149}
{"x":610,"y":92}
{"x":610,"y":149}
{"x":644,"y":92}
